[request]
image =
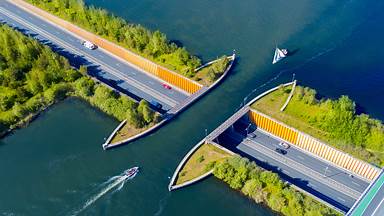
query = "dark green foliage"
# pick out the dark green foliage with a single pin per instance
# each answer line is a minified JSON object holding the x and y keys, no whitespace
{"x":32,"y":77}
{"x":153,"y":45}
{"x":359,"y":134}
{"x":266,"y":187}
{"x":218,"y":68}
{"x":145,"y":111}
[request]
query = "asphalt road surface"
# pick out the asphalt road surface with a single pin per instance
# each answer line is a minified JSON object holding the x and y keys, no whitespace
{"x":312,"y":174}
{"x":107,"y":68}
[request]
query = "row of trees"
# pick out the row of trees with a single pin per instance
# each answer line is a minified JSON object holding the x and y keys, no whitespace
{"x":138,"y":114}
{"x":32,"y":77}
{"x":218,"y":68}
{"x":356,"y":133}
{"x":153,"y":45}
{"x":266,"y":187}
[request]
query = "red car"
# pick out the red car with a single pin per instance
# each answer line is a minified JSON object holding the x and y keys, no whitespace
{"x":166,"y":86}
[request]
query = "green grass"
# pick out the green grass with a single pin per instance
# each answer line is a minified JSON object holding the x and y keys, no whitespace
{"x":201,"y":161}
{"x":297,"y":114}
{"x":128,"y":131}
{"x":310,"y":115}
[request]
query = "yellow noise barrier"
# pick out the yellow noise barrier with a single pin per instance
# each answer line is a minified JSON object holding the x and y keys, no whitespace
{"x":146,"y":65}
{"x":314,"y":146}
{"x":273,"y":127}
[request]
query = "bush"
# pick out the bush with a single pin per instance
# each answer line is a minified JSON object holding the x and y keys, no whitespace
{"x":153,"y":45}
{"x":266,"y":187}
{"x":355,"y":133}
{"x":32,"y":76}
{"x":200,"y":159}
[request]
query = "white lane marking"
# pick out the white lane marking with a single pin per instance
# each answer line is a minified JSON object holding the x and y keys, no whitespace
{"x":113,"y":71}
{"x":378,"y":207}
{"x":312,"y":185}
{"x":151,"y":82}
{"x":117,"y":64}
{"x":101,"y":56}
{"x":355,"y":183}
{"x":300,"y":157}
{"x":341,"y":199}
{"x":286,"y":172}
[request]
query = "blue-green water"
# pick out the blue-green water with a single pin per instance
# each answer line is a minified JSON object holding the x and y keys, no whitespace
{"x":56,"y":165}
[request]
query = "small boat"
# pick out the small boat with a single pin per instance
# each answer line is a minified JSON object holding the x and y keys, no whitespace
{"x":279,"y":55}
{"x":131,"y":172}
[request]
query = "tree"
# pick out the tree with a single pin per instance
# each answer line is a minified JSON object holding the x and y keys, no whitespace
{"x":145,"y":111}
{"x":85,"y":87}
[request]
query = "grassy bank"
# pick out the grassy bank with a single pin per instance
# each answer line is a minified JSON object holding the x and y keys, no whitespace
{"x":208,"y":75}
{"x":33,"y":77}
{"x":201,"y":161}
{"x":128,"y":131}
{"x":332,"y":121}
{"x":267,"y":188}
{"x":152,"y":45}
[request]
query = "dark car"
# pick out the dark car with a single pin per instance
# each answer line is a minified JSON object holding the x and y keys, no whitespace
{"x":156,"y":104}
{"x":251,"y":135}
{"x":280,"y":151}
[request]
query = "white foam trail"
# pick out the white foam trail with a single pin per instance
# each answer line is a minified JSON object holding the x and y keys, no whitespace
{"x":114,"y":181}
{"x":162,"y":204}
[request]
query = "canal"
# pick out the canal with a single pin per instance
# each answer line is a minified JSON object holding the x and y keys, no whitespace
{"x":56,"y":166}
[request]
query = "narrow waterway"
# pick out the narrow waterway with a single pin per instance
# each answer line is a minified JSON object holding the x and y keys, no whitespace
{"x":56,"y":166}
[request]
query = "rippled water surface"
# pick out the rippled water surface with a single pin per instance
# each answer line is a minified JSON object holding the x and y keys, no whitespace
{"x":56,"y":165}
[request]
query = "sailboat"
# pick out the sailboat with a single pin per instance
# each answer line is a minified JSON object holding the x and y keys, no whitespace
{"x":279,"y":54}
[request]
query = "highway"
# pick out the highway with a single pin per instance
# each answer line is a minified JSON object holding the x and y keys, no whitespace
{"x":107,"y":68}
{"x":310,"y":161}
{"x":371,"y":203}
{"x":322,"y":179}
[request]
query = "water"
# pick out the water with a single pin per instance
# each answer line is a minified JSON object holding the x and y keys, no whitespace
{"x":56,"y":165}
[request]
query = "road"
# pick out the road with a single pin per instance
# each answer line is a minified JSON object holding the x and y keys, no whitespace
{"x":376,"y":207}
{"x":107,"y":68}
{"x":320,"y":178}
{"x":372,"y":202}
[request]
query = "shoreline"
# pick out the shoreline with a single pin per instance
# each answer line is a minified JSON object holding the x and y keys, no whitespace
{"x":168,"y":116}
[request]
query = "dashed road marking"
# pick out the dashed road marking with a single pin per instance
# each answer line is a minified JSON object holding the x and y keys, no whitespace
{"x":341,"y":199}
{"x":355,"y":183}
{"x":286,"y":172}
{"x":300,"y":157}
{"x":113,"y":71}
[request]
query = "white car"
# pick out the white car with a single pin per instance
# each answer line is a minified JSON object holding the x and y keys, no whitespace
{"x":284,"y":145}
{"x":89,"y":45}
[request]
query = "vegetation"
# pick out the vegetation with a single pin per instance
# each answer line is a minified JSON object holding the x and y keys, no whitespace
{"x":128,"y":131}
{"x":333,"y":121}
{"x":266,"y":187}
{"x":211,"y":73}
{"x":201,"y":161}
{"x":33,"y":77}
{"x":152,"y":45}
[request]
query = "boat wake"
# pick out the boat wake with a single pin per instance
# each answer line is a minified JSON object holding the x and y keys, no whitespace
{"x":162,"y":204}
{"x":115,"y":183}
